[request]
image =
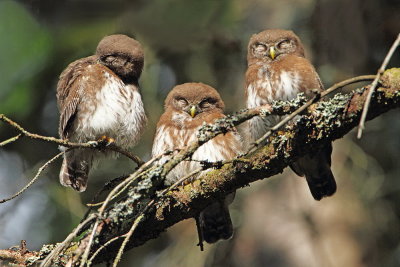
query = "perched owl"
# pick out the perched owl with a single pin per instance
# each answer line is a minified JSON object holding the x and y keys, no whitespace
{"x":99,"y":96}
{"x":187,"y":108}
{"x":278,"y":70}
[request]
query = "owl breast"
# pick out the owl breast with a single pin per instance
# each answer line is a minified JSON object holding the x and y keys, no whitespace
{"x":270,"y":86}
{"x":115,"y":110}
{"x":217,"y":149}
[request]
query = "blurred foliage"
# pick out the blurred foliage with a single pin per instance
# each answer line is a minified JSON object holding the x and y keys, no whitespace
{"x":277,"y":222}
{"x":25,"y":48}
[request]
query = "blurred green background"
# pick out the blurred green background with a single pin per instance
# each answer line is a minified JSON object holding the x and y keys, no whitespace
{"x":277,"y":223}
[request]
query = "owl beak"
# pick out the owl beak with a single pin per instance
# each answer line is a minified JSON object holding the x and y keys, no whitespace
{"x":272,"y":52}
{"x":193,"y":111}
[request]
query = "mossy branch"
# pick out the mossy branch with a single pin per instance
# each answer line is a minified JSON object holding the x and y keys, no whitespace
{"x":322,"y":122}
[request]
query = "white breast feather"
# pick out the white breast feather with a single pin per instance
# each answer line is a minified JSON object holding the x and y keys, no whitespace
{"x":118,"y":114}
{"x":210,"y":151}
{"x":287,"y":88}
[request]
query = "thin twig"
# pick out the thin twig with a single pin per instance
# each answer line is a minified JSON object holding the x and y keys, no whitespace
{"x":138,"y":219}
{"x":66,"y":143}
{"x":61,"y":246}
{"x":109,"y":197}
{"x":34,"y":179}
{"x":257,"y":143}
{"x":10,"y":140}
{"x":148,"y":206}
{"x":385,"y":62}
{"x":127,"y":154}
{"x":144,"y":167}
{"x":128,"y":235}
{"x":103,"y":247}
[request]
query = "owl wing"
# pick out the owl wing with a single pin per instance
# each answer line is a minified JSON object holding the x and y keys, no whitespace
{"x":70,"y":91}
{"x":162,"y":141}
{"x":309,"y":77}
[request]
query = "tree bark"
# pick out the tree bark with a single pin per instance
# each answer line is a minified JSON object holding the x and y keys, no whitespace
{"x":324,"y":121}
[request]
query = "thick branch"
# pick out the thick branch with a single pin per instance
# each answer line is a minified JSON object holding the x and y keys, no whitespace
{"x":322,"y":122}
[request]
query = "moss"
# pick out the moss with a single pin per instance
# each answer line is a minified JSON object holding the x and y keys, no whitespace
{"x":391,"y":78}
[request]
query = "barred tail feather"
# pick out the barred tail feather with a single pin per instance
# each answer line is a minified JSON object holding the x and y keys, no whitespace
{"x":75,"y":170}
{"x":215,"y":222}
{"x":322,"y":186}
{"x":316,"y":168}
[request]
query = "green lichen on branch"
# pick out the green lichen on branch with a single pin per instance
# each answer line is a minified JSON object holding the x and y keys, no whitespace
{"x":323,"y":122}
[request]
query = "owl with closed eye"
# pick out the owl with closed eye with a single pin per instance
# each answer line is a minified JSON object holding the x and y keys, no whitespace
{"x":98,"y":96}
{"x":278,"y":70}
{"x":187,"y":107}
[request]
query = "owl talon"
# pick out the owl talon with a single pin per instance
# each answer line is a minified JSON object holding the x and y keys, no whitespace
{"x":106,"y":141}
{"x":93,"y":143}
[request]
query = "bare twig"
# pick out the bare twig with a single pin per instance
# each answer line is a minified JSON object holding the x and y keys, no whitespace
{"x":61,"y":246}
{"x":116,"y":191}
{"x":256,"y":144}
{"x":128,"y":180}
{"x":385,"y":62}
{"x":34,"y":179}
{"x":103,"y":247}
{"x":66,"y":143}
{"x":148,"y":206}
{"x":10,"y":140}
{"x":127,"y":237}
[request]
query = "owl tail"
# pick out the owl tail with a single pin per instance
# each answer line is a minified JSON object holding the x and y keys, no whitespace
{"x":75,"y":169}
{"x":215,"y":222}
{"x":316,"y":169}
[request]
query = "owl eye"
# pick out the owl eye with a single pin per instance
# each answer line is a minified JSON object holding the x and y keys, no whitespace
{"x":181,"y":102}
{"x":206,"y":103}
{"x":108,"y":59}
{"x":260,"y":49}
{"x":285,"y":44}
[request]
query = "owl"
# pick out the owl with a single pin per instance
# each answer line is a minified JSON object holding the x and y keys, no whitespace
{"x":187,"y":107}
{"x":98,"y":96}
{"x":278,"y":70}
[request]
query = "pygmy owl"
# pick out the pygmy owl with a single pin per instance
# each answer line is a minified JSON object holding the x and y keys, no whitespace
{"x":278,"y":70}
{"x":99,"y":96}
{"x":187,"y":108}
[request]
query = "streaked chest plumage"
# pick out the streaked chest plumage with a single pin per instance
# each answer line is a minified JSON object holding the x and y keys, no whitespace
{"x":222,"y":147}
{"x":269,"y":85}
{"x":109,"y":107}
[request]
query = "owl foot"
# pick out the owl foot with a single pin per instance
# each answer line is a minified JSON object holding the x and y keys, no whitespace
{"x":105,"y":141}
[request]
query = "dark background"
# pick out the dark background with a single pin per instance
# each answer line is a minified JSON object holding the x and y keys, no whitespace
{"x":277,"y":222}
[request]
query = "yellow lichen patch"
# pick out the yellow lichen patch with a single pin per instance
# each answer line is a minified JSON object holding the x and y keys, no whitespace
{"x":160,"y":210}
{"x":391,"y":78}
{"x":356,"y":103}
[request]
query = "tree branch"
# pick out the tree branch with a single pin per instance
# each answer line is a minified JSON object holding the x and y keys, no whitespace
{"x":64,"y":142}
{"x":322,"y":122}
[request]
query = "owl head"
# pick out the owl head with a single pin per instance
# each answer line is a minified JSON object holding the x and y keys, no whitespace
{"x":123,"y":55}
{"x":194,"y":100}
{"x":272,"y":45}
